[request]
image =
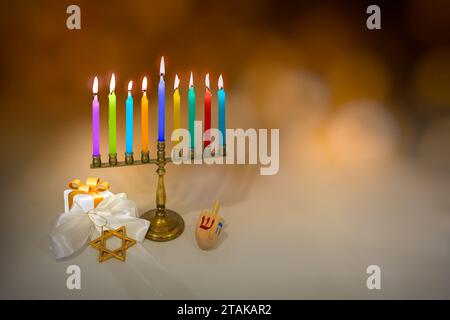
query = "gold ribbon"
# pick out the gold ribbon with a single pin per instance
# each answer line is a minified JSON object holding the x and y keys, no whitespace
{"x":93,"y":187}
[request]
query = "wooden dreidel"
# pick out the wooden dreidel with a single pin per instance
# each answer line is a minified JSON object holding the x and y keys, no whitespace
{"x":208,"y":228}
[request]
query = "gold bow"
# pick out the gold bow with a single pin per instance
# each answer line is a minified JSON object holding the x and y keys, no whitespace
{"x":93,"y":187}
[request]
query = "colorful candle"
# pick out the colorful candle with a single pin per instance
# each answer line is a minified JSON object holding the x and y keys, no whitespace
{"x":161,"y":102}
{"x":129,"y":121}
{"x":176,"y":104}
{"x":207,"y":112}
{"x":221,"y":104}
{"x":95,"y":121}
{"x":144,"y":116}
{"x":112,"y":115}
{"x":191,"y":110}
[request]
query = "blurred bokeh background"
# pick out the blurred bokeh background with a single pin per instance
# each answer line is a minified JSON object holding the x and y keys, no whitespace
{"x":364,"y":119}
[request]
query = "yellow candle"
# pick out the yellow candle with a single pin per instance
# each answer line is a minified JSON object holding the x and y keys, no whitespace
{"x":176,"y":105}
{"x":144,"y":116}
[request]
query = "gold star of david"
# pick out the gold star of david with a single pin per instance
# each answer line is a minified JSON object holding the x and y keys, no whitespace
{"x":119,"y":253}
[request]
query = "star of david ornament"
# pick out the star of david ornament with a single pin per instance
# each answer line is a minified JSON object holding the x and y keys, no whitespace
{"x":119,"y":253}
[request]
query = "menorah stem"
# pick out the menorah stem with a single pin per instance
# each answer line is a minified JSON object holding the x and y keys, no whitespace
{"x":160,"y":190}
{"x":165,"y":224}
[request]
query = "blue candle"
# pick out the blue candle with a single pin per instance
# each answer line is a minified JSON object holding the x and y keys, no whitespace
{"x":191,"y":107}
{"x":221,"y":102}
{"x":129,"y":121}
{"x":161,"y":102}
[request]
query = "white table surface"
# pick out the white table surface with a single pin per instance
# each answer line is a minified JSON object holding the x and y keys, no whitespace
{"x":308,"y":232}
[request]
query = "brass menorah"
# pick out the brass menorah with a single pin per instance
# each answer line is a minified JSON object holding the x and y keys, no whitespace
{"x":165,"y":224}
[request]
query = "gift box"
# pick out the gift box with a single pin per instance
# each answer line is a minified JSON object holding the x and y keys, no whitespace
{"x":74,"y":229}
{"x":86,"y":196}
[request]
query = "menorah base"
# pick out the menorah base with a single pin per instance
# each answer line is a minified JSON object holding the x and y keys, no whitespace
{"x":164,"y":228}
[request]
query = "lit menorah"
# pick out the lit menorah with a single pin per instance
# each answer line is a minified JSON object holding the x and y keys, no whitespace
{"x":165,"y":224}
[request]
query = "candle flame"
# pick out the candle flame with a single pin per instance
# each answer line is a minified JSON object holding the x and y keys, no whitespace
{"x":112,"y":84}
{"x":176,"y":83}
{"x":191,"y":81}
{"x":207,"y":81}
{"x":220,"y":82}
{"x":130,"y":85}
{"x":95,"y":86}
{"x":144,"y":84}
{"x":162,"y":67}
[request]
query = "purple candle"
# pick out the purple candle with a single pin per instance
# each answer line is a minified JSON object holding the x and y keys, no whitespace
{"x":161,"y":102}
{"x":95,"y":121}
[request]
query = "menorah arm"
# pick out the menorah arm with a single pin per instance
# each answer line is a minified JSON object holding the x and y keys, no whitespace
{"x":102,"y":165}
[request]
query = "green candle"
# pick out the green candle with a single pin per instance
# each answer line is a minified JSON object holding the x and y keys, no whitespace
{"x":191,"y":110}
{"x":112,"y":116}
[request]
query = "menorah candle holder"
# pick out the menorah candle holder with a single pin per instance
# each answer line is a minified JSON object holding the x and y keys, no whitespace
{"x":165,"y":224}
{"x":222,"y":152}
{"x":96,"y":161}
{"x":129,"y":158}
{"x":145,"y":156}
{"x":112,"y":160}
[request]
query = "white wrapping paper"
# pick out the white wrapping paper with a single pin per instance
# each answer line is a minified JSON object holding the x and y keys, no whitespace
{"x":84,"y":201}
{"x":75,"y":228}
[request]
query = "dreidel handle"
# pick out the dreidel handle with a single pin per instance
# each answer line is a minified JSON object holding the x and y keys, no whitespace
{"x":216,"y":208}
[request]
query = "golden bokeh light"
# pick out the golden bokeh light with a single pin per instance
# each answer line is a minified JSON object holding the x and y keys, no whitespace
{"x":362,"y":134}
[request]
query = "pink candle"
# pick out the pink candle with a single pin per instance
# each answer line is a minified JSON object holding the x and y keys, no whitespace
{"x":95,"y":121}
